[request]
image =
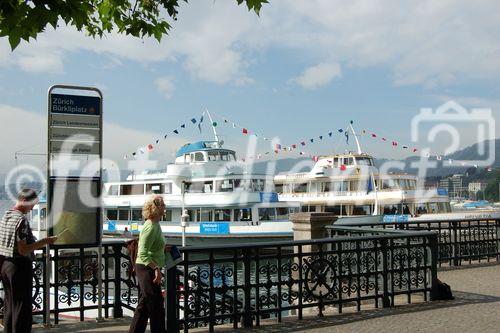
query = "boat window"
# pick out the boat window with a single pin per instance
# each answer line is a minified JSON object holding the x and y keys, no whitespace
{"x":204,"y":215}
{"x":123,"y":215}
{"x":187,"y":158}
{"x":195,"y":187}
{"x":388,"y":184}
{"x":361,"y":210}
{"x":132,"y":189}
{"x":136,"y":215}
{"x":222,"y":215}
{"x":167,"y":216}
{"x":257,"y":185}
{"x":335,"y":161}
{"x":214,"y":156}
{"x":242,"y":184}
{"x":364,"y":161}
{"x":243,"y":214}
{"x":433,"y":207}
{"x":167,"y":188}
{"x":225,"y":185}
{"x":192,"y":215}
{"x":337,"y":210}
{"x":348,"y":161}
{"x":282,"y":213}
{"x":421,"y":209}
{"x":392,"y":210}
{"x":113,"y":190}
{"x":225,"y":156}
{"x":267,"y":214}
{"x":300,"y":188}
{"x":293,"y":210}
{"x":335,"y":186}
{"x":279,"y":188}
{"x":154,"y":188}
{"x":199,"y":157}
{"x":112,"y":214}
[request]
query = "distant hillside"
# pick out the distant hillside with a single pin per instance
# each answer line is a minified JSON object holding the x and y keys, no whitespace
{"x":443,"y":169}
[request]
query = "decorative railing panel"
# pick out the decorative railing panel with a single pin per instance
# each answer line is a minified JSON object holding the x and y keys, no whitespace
{"x":459,"y":242}
{"x":247,"y":283}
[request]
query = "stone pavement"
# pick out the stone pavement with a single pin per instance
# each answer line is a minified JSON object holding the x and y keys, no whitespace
{"x":475,"y":309}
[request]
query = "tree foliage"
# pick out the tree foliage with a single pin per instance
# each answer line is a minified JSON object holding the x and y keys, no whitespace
{"x":25,"y":19}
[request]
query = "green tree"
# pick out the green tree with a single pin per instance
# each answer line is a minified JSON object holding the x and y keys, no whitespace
{"x":491,"y":190}
{"x":25,"y":19}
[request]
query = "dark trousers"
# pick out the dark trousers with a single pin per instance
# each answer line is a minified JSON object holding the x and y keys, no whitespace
{"x":17,"y":278}
{"x":150,"y":303}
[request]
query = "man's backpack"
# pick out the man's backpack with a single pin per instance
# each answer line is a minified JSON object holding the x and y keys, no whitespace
{"x":444,"y":291}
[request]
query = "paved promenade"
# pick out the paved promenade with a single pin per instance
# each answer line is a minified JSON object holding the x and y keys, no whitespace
{"x":475,"y":309}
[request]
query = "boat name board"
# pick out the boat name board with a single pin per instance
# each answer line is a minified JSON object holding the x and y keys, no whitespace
{"x":214,"y":228}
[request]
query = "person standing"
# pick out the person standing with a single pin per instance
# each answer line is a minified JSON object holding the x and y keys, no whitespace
{"x":150,"y":259}
{"x":17,"y":244}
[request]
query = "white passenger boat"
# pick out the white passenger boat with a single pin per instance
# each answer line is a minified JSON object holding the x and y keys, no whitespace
{"x":349,"y":184}
{"x":220,"y":197}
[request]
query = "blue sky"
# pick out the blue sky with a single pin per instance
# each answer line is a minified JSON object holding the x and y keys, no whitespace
{"x":300,"y":70}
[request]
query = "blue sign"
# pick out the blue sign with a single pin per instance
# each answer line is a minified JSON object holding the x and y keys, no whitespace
{"x":442,"y":191}
{"x":214,"y":228}
{"x":111,"y":225}
{"x":268,"y":197}
{"x":74,"y":104}
{"x":396,"y":218}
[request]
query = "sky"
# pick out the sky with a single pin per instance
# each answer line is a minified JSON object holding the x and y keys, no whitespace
{"x":301,"y":69}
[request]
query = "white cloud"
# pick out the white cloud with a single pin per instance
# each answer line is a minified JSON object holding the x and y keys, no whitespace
{"x":318,"y":76}
{"x":165,"y":86}
{"x":430,"y":43}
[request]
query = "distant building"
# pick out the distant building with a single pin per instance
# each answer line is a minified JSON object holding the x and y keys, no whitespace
{"x":455,"y":186}
{"x":475,"y":188}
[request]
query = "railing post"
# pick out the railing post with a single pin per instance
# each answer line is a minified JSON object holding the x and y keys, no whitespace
{"x":497,"y":236}
{"x":386,"y":301}
{"x":172,"y":324}
{"x":117,"y":304}
{"x":433,"y":245}
{"x":456,"y":246}
{"x":247,"y":307}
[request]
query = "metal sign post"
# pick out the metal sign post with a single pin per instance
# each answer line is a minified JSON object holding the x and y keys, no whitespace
{"x":74,"y":137}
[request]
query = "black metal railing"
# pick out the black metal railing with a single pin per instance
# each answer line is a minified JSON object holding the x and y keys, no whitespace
{"x":248,"y":282}
{"x":459,"y":242}
{"x":74,"y":282}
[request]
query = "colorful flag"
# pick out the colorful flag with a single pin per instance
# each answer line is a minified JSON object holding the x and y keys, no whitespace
{"x":278,"y":146}
{"x":245,"y":131}
{"x":414,"y":150}
{"x":303,"y":143}
{"x":340,"y":130}
{"x":312,"y":140}
{"x":193,"y":121}
{"x":346,"y":137}
{"x":150,"y":147}
{"x":294,"y":146}
{"x":157,"y":140}
{"x":384,"y":139}
{"x":199,"y":123}
{"x":394,"y":143}
{"x":321,"y":137}
{"x":330,"y":134}
{"x":176,"y":131}
{"x":183,"y":126}
{"x":165,"y":136}
{"x":374,"y":135}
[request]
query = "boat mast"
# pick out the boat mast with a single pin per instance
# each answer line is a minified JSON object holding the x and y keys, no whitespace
{"x":212,"y":124}
{"x":356,"y":138}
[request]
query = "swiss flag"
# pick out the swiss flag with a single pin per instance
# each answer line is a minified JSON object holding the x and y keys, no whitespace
{"x":150,"y":147}
{"x":342,"y":167}
{"x":245,"y":131}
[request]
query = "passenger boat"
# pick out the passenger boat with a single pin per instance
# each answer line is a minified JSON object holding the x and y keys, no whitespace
{"x":349,"y":184}
{"x":222,"y":197}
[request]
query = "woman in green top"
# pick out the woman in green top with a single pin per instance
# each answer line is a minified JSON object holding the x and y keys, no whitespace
{"x":150,"y":259}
